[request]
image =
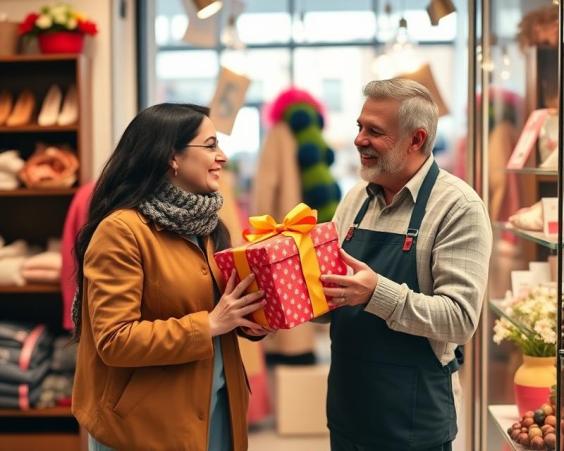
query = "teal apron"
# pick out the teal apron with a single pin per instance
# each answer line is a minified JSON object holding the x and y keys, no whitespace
{"x":387,"y":388}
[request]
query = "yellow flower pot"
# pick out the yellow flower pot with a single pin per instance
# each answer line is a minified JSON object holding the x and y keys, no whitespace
{"x":533,"y":380}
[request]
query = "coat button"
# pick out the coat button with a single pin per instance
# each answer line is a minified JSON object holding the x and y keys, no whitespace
{"x":204,"y":270}
{"x":201,"y":416}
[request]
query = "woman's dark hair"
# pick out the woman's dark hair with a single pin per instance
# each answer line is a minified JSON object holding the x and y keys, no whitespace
{"x":136,"y":168}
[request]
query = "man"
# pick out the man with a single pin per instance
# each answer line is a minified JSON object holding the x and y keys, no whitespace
{"x":418,"y":241}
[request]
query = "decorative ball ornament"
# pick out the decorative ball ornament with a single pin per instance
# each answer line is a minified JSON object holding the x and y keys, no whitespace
{"x":304,"y":116}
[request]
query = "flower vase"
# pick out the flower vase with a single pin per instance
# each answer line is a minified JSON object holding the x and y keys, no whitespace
{"x":61,"y":42}
{"x":532,"y":382}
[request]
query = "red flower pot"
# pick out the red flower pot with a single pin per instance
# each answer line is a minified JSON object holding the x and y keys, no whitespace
{"x":61,"y":42}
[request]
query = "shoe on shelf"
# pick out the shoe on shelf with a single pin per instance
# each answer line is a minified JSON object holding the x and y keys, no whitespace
{"x":23,"y":109}
{"x":69,"y":112}
{"x":529,"y":218}
{"x":50,"y":107}
{"x":6,"y":103}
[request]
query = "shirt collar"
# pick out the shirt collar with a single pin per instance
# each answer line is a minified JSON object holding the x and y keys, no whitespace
{"x":412,"y":186}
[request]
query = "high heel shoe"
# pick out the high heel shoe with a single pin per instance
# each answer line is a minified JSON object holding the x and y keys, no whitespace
{"x":23,"y":110}
{"x":6,"y":103}
{"x":50,"y":107}
{"x":69,"y":112}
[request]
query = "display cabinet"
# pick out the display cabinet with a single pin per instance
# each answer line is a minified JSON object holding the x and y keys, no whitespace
{"x":515,"y":164}
{"x":35,"y":214}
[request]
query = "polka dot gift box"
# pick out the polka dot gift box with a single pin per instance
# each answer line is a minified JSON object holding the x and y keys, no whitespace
{"x":287,"y":260}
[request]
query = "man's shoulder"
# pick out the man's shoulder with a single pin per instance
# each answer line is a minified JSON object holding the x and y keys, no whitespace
{"x":454,"y":190}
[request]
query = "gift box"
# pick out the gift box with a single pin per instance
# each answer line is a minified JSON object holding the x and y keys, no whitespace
{"x":287,"y":260}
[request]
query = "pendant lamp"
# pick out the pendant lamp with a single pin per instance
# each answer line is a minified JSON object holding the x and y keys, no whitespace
{"x":207,"y":8}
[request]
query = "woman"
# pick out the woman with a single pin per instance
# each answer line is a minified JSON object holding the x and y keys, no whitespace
{"x":158,"y":363}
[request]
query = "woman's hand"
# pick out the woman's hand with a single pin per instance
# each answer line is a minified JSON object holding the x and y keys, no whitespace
{"x":230,"y":311}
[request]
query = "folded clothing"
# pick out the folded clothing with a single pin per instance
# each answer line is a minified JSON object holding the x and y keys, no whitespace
{"x":41,"y":275}
{"x":64,"y":354}
{"x":19,"y":335}
{"x":45,"y":260}
{"x":529,"y":218}
{"x":10,"y":271}
{"x":26,"y":356}
{"x":54,"y":389}
{"x":25,"y":397}
{"x":13,"y":373}
{"x":18,"y":248}
{"x":7,"y":177}
{"x":10,"y":162}
{"x":50,"y":167}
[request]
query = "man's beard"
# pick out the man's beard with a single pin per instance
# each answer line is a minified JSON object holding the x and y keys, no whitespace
{"x":390,"y":163}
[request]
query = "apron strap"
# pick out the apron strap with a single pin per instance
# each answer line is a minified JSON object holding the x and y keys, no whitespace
{"x":420,"y":205}
{"x":417,"y":214}
{"x":359,"y":215}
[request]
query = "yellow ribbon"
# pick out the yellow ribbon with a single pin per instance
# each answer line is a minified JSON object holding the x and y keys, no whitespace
{"x":297,"y":224}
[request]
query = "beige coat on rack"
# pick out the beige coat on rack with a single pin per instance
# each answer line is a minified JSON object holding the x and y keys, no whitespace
{"x":276,"y":190}
{"x":251,"y":352}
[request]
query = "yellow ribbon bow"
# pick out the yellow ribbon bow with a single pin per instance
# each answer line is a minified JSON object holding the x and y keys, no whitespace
{"x":297,"y":224}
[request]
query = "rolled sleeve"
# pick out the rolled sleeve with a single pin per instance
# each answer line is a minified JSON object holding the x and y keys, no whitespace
{"x":459,"y":268}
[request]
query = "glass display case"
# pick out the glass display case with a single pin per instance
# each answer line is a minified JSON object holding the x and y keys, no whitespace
{"x":516,"y":104}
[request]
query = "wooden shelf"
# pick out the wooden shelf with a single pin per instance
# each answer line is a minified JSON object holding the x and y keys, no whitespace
{"x":47,"y":412}
{"x":36,"y":128}
{"x":39,"y":57}
{"x":504,"y":416}
{"x":27,"y":192}
{"x":31,"y":288}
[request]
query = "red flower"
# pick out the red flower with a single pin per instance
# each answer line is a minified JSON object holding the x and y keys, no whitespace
{"x":27,"y":25}
{"x":87,"y":27}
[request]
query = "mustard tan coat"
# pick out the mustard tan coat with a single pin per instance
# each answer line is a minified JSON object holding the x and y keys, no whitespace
{"x":145,"y":358}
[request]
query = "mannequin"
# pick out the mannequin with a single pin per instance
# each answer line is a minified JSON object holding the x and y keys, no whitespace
{"x":293,"y":167}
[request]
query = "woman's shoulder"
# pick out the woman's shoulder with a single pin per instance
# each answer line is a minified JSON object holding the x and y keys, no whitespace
{"x":125,"y":218}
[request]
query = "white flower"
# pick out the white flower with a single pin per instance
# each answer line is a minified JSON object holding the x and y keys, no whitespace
{"x":60,"y":10}
{"x":544,"y":328}
{"x":60,"y":19}
{"x":44,"y":21}
{"x":502,"y":331}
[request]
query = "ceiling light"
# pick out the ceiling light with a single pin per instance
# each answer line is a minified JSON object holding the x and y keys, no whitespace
{"x":438,"y":9}
{"x":207,"y":8}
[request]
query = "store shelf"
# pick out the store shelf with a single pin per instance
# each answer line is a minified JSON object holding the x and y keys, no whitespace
{"x":26,"y":192}
{"x":35,"y":128}
{"x":504,"y":416}
{"x":549,"y":241}
{"x":535,"y":171}
{"x":46,"y":412}
{"x":31,"y":288}
{"x":32,"y":58}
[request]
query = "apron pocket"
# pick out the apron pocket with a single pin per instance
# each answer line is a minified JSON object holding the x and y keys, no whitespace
{"x":372,"y":402}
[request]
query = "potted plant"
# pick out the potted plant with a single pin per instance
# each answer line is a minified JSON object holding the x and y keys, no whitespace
{"x":529,"y":321}
{"x":59,"y":28}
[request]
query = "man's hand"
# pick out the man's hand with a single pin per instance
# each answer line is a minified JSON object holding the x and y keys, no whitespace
{"x":351,"y":290}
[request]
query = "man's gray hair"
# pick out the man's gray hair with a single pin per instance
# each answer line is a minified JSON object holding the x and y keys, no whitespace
{"x":417,"y":107}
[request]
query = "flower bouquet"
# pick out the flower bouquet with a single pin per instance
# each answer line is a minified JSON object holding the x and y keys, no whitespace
{"x":59,"y":28}
{"x":529,"y":321}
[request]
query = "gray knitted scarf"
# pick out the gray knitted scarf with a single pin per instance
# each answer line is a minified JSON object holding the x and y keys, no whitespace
{"x":182,"y":212}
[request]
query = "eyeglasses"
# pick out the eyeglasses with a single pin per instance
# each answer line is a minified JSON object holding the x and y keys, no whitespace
{"x":212,"y":147}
